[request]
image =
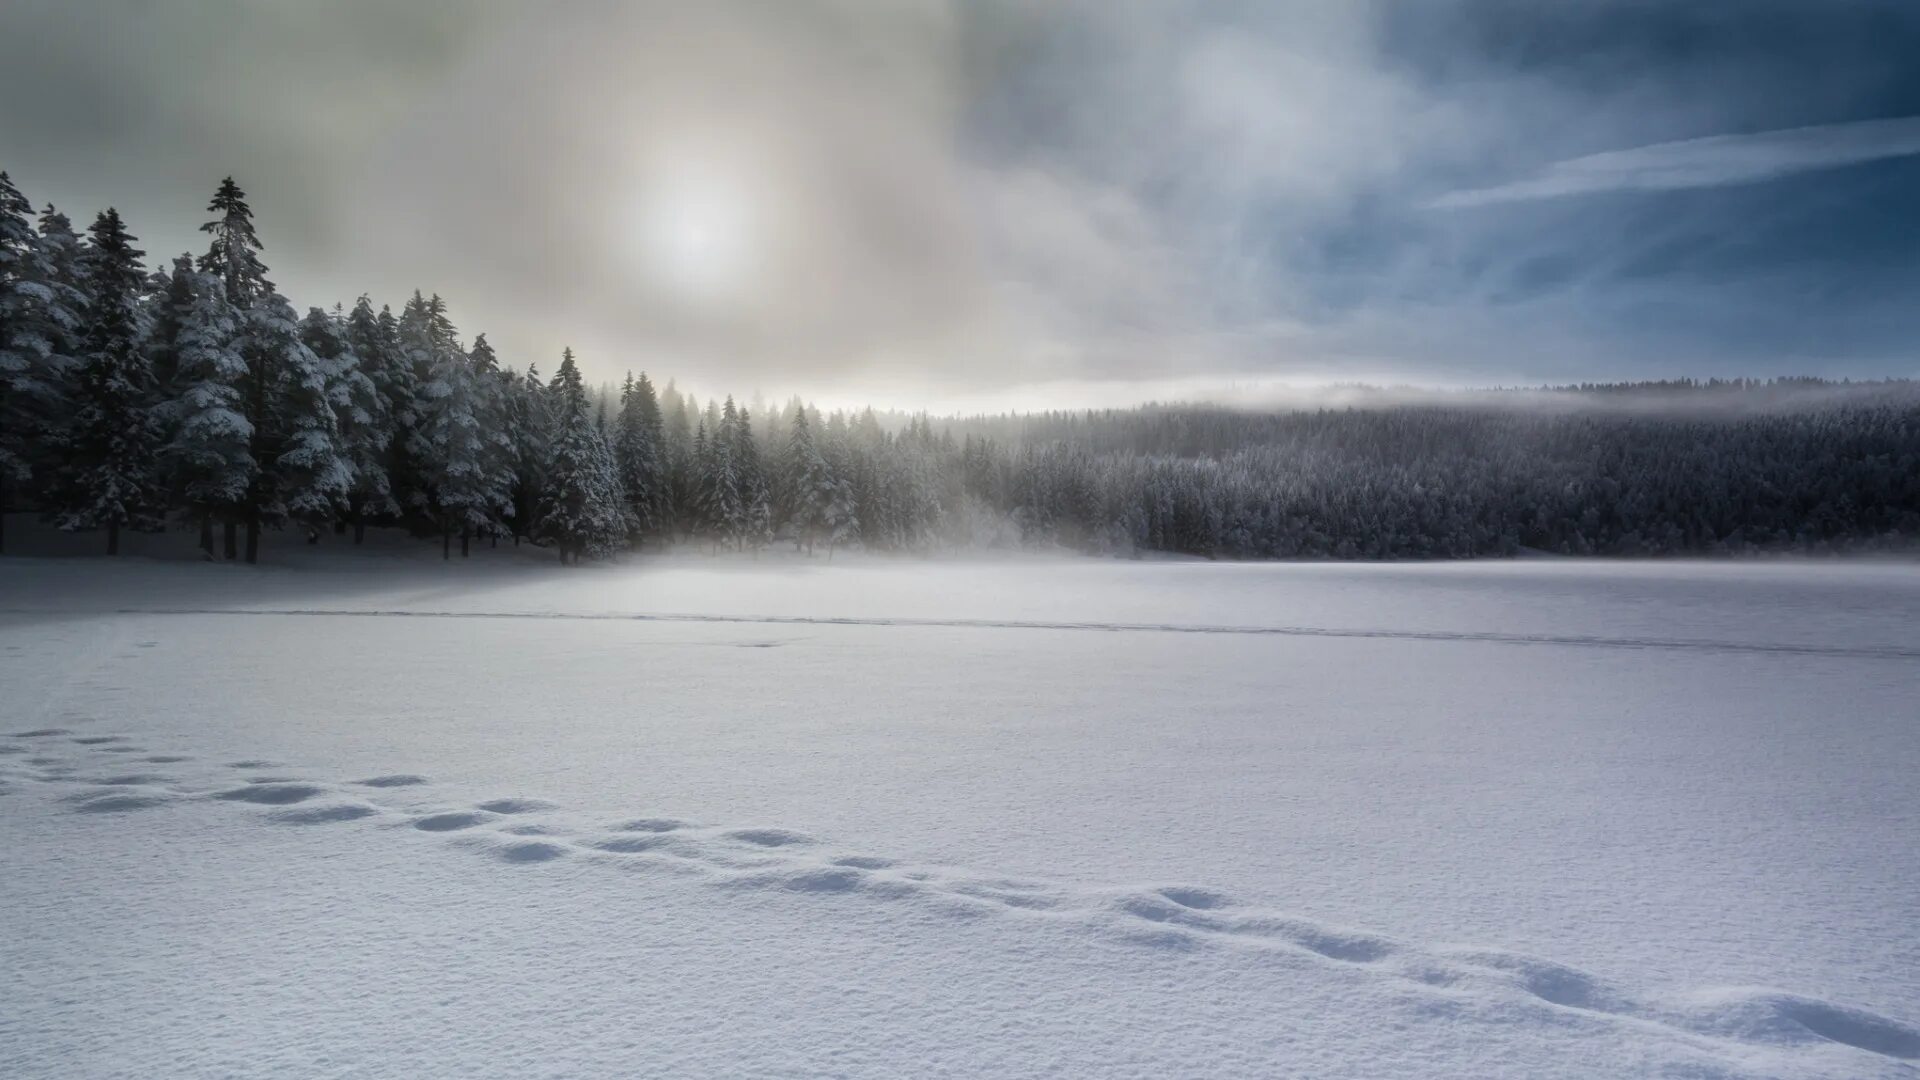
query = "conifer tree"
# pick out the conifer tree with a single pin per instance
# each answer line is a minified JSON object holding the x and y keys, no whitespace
{"x":207,"y":458}
{"x":529,"y":425}
{"x":461,"y":446}
{"x":108,"y":479}
{"x":637,"y":453}
{"x":583,"y":514}
{"x":38,"y":312}
{"x":498,"y":454}
{"x":359,"y":412}
{"x":756,"y":494}
{"x":300,"y":471}
{"x":841,"y":515}
{"x":719,"y":496}
{"x":380,"y":346}
{"x":677,"y":459}
{"x":428,"y":344}
{"x":309,"y":466}
{"x":809,"y":487}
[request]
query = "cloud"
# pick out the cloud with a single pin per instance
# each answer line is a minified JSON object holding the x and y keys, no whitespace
{"x":1712,"y":161}
{"x":920,"y":200}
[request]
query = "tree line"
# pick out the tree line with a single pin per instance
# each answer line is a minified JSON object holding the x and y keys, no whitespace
{"x":194,"y":394}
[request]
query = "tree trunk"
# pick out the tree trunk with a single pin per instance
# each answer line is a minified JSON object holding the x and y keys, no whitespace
{"x":340,"y":526}
{"x":253,"y":538}
{"x":113,"y":538}
{"x":230,"y":543}
{"x":359,"y":529}
{"x":446,"y":544}
{"x":465,"y":534}
{"x":493,"y":540}
{"x":206,"y":535}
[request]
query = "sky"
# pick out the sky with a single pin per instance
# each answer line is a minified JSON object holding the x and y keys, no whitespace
{"x":947,"y":204}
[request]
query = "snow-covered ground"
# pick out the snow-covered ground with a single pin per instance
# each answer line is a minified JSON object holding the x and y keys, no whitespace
{"x":362,"y":813}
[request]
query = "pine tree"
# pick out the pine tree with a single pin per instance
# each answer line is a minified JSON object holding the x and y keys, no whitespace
{"x":109,"y":478}
{"x":377,"y":339}
{"x":637,"y":453}
{"x":459,"y":444}
{"x":841,"y":515}
{"x":233,"y":257}
{"x":359,"y":412}
{"x":428,"y":343}
{"x":530,"y":430}
{"x":498,"y":454}
{"x":756,"y":495}
{"x":583,"y":514}
{"x":719,"y":493}
{"x":62,"y":250}
{"x":677,"y":459}
{"x":208,"y":458}
{"x":301,"y":471}
{"x":809,"y":486}
{"x":37,"y":313}
{"x":311,"y":470}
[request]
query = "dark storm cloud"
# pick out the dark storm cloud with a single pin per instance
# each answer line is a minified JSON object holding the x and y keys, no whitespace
{"x":922,"y":199}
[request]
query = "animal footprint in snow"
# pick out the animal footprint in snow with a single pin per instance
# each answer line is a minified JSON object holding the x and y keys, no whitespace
{"x":515,"y":806}
{"x":395,"y":780}
{"x":117,"y":801}
{"x":654,"y":825}
{"x":531,"y":851}
{"x":322,"y":815}
{"x":770,"y":837}
{"x":450,"y":822}
{"x":272,"y":793}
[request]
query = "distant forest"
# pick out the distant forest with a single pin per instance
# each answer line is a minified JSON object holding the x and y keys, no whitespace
{"x":194,"y":395}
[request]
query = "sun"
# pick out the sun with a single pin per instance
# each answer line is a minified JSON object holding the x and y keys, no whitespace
{"x":699,"y":228}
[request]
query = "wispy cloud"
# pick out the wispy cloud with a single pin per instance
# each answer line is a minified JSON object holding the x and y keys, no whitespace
{"x":1712,"y":161}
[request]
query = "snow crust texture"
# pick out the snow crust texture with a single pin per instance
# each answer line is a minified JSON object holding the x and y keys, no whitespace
{"x":87,"y":774}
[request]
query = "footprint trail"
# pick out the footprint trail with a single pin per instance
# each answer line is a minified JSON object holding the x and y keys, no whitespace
{"x":526,"y":832}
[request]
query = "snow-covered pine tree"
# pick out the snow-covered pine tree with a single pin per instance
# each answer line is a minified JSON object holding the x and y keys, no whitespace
{"x":311,"y":469}
{"x":809,"y":487}
{"x":491,"y":388}
{"x":108,"y":479}
{"x":658,"y":496}
{"x":377,"y":340}
{"x":636,"y":451}
{"x":459,"y":444}
{"x":583,"y":514}
{"x":720,"y":507}
{"x":677,"y":460}
{"x":756,"y":495}
{"x":428,"y":342}
{"x":530,"y":429}
{"x":233,"y":257}
{"x":62,"y":249}
{"x":693,"y":517}
{"x":37,"y":313}
{"x":359,"y":413}
{"x":841,"y":514}
{"x":234,"y":252}
{"x":301,"y":470}
{"x":207,"y":459}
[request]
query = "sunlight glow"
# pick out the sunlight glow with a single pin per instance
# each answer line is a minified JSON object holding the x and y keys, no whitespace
{"x":698,"y":227}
